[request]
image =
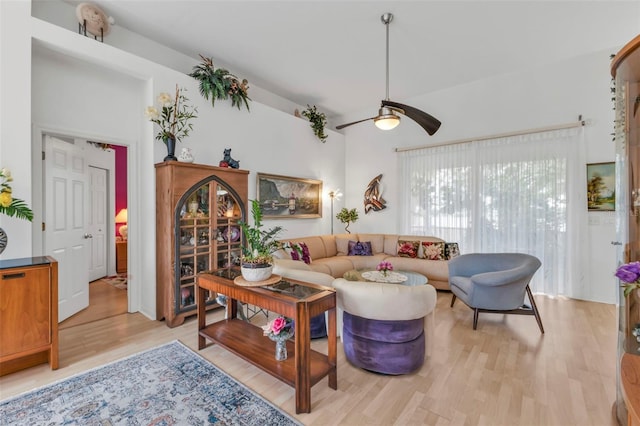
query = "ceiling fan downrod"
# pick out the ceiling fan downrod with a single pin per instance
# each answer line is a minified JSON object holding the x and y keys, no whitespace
{"x":386,"y":20}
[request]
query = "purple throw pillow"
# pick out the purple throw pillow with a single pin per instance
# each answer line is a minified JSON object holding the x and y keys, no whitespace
{"x":360,"y":248}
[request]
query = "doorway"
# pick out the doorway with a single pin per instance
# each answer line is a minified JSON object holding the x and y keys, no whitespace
{"x":106,"y":290}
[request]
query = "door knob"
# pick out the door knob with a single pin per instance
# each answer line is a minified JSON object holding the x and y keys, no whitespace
{"x":88,"y":236}
{"x":616,"y":243}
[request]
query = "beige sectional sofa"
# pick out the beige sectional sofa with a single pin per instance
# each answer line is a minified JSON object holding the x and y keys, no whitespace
{"x":329,"y":254}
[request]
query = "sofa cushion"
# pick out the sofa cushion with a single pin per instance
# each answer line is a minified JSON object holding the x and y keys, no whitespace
{"x":391,"y":244}
{"x":408,"y":248}
{"x":279,"y":264}
{"x":329,"y":242}
{"x":342,"y":244}
{"x":366,"y":262}
{"x":432,"y":250}
{"x":336,"y":266}
{"x":377,"y":241}
{"x":360,"y":248}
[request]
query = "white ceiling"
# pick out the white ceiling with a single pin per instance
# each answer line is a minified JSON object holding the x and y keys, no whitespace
{"x":332,"y":53}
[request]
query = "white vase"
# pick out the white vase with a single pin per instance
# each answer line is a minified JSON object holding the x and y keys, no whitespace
{"x":186,"y":156}
{"x":256,"y":273}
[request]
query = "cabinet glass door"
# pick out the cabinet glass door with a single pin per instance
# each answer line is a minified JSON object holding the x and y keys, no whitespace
{"x":208,"y":236}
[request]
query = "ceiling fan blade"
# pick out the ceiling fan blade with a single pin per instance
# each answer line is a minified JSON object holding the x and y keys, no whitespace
{"x":426,"y":121}
{"x":342,"y":126}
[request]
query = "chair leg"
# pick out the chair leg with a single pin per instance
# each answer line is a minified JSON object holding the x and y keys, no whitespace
{"x":535,"y":309}
{"x":453,"y":299}
{"x":475,"y":318}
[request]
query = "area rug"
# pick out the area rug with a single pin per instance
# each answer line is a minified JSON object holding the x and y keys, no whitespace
{"x":167,"y":385}
{"x":118,"y":281}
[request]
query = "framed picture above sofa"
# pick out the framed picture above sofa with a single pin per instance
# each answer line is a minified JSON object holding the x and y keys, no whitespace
{"x":282,"y":197}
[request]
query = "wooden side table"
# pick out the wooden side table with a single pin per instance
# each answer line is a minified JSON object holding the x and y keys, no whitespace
{"x":291,"y":298}
{"x":121,"y":257}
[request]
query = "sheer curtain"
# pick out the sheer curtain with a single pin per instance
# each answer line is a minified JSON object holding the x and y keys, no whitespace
{"x":522,"y":194}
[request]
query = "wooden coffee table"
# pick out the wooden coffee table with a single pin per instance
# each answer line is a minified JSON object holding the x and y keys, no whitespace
{"x":294,"y":299}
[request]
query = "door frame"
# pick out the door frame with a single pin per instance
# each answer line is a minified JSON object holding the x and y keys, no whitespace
{"x":37,"y":148}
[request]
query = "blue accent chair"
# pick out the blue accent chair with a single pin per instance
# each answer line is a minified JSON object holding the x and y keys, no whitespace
{"x":495,"y":283}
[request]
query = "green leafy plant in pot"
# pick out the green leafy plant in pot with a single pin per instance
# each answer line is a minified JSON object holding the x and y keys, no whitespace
{"x":347,"y":216}
{"x":259,"y":244}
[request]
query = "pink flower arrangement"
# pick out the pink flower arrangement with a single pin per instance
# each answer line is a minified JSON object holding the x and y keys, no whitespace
{"x":279,"y":327}
{"x":629,"y":274}
{"x":384,"y":267}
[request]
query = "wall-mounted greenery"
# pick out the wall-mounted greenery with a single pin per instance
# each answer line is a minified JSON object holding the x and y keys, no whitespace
{"x":219,"y":83}
{"x":318,"y":121}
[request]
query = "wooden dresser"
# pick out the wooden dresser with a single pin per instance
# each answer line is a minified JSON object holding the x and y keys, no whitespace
{"x":28,"y":313}
{"x":121,"y":257}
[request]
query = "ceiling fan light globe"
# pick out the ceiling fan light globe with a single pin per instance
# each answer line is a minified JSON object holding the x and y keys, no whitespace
{"x":386,"y":122}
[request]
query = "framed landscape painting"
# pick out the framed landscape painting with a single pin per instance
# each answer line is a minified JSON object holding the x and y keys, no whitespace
{"x":601,"y":186}
{"x":282,"y":197}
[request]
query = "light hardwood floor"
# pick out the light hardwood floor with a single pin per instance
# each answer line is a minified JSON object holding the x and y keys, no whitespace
{"x":504,"y":373}
{"x":105,"y":301}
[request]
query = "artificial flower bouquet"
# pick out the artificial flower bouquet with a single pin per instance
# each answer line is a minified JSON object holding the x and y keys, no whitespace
{"x":10,"y":205}
{"x":629,"y":274}
{"x":172,"y":115}
{"x":280,"y":328}
{"x":384,"y":267}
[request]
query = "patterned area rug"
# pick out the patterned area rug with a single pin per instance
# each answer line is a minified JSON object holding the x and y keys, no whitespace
{"x":118,"y":281}
{"x":167,"y":385}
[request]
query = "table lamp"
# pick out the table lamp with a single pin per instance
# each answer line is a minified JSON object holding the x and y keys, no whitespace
{"x":121,"y":217}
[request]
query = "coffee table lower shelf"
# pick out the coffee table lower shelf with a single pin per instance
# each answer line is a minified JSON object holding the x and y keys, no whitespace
{"x":248,"y":342}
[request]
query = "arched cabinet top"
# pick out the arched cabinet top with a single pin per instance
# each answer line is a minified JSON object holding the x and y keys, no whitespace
{"x":626,"y":63}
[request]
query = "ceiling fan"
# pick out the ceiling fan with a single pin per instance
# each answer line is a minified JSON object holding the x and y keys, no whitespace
{"x":387,"y":118}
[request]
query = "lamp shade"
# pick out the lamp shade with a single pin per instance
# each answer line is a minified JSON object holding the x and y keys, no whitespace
{"x":121,"y":217}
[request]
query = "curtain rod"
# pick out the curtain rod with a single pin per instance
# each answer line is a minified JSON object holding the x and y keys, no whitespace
{"x":578,"y":123}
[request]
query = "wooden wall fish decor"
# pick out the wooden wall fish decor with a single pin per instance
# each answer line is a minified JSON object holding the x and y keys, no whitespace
{"x":373,"y":196}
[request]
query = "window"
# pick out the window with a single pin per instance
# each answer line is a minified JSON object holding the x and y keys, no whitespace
{"x":514,"y":194}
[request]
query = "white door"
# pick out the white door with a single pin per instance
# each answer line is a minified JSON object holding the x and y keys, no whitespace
{"x":66,"y":207}
{"x":98,"y":223}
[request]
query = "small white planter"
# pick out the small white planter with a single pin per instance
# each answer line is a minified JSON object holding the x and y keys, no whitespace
{"x":259,"y":273}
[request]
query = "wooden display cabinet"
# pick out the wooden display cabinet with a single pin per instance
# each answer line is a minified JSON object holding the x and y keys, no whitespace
{"x":625,"y":68}
{"x":28,"y":313}
{"x":198,"y":208}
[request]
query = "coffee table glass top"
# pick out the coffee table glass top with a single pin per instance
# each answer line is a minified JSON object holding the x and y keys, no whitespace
{"x":298,"y":291}
{"x":412,"y":278}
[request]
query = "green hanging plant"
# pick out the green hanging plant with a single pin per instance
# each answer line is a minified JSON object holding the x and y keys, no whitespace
{"x":318,"y":121}
{"x":219,"y":83}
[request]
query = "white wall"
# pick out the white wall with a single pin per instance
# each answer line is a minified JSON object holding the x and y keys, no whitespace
{"x":543,"y":96}
{"x":271,"y":141}
{"x":97,"y":91}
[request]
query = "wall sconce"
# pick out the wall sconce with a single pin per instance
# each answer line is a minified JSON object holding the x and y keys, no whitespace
{"x":121,"y":217}
{"x":333,"y":195}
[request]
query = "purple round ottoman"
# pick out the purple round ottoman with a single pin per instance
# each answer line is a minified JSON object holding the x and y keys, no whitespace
{"x":384,"y":346}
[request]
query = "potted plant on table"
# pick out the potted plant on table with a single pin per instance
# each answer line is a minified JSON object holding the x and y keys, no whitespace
{"x":259,"y":244}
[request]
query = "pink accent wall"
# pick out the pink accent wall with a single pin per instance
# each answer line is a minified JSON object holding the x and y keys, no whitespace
{"x":121,"y":179}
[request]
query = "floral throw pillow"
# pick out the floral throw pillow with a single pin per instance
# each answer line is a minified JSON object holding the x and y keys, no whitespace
{"x":299,"y":252}
{"x":360,"y":248}
{"x":451,"y":250}
{"x":408,"y":248}
{"x":432,"y":250}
